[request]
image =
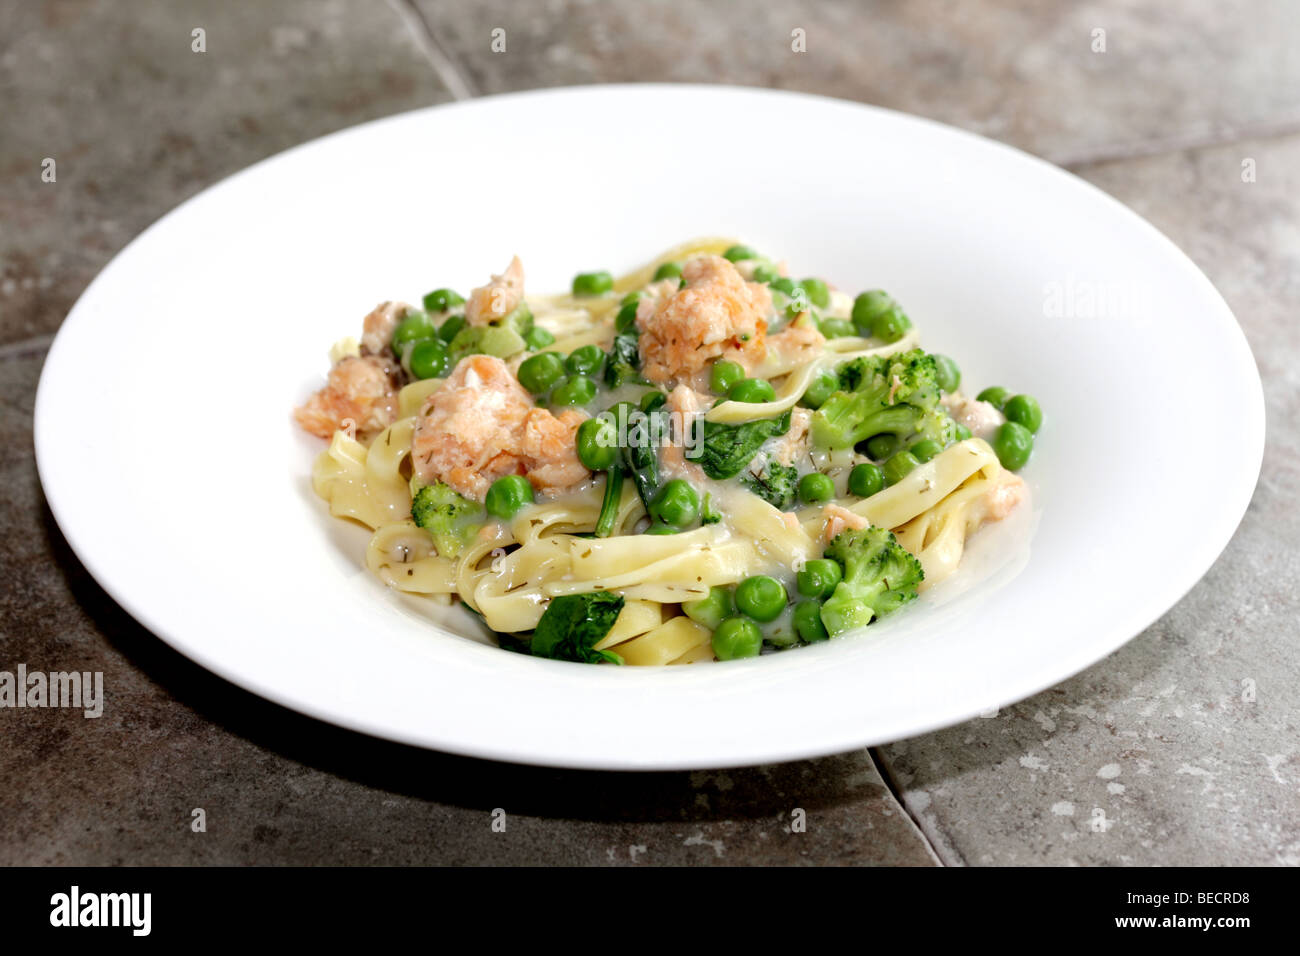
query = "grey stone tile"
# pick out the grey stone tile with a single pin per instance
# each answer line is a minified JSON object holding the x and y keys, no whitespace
{"x":1185,"y":741}
{"x":280,"y":788}
{"x":1025,"y":73}
{"x":136,"y":121}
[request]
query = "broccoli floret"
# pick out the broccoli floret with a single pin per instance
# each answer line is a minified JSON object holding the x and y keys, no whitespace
{"x":777,"y":484}
{"x":450,"y":518}
{"x":890,"y":394}
{"x":879,"y":576}
{"x":935,"y":425}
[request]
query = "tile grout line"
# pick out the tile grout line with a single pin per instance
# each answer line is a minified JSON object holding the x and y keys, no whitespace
{"x":27,"y":347}
{"x":1175,"y":144}
{"x":443,"y":63}
{"x":942,"y":851}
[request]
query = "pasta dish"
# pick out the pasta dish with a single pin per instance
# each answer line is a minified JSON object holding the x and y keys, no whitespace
{"x":704,"y":459}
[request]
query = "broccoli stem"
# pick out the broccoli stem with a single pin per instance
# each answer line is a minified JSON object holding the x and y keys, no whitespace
{"x":846,"y":418}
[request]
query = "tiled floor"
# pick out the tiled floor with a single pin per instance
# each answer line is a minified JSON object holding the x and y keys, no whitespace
{"x":1181,"y":748}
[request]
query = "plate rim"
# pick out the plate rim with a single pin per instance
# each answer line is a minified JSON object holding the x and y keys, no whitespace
{"x":1230,"y":518}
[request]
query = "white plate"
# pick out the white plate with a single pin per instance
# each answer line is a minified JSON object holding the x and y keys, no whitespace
{"x":169,"y":459}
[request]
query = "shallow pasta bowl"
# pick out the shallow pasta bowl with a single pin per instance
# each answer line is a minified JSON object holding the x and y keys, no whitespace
{"x":189,"y":498}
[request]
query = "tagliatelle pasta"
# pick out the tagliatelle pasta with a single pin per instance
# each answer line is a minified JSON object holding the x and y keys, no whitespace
{"x":696,"y":461}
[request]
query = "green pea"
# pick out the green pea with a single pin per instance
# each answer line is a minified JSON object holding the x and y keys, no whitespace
{"x":798,"y":302}
{"x":765,"y":274}
{"x":677,"y":503}
{"x":837,"y":328}
{"x":448,"y":330}
{"x":660,"y":527}
{"x":815,"y":487}
{"x":1013,"y":443}
{"x":882,"y":446}
{"x":866,"y":479}
{"x":597,"y":443}
{"x":669,"y":270}
{"x":898,"y":466}
{"x":738,"y":252}
{"x":440,"y":300}
{"x":574,"y":390}
{"x":725,"y":374}
{"x":949,"y":374}
{"x":761,"y":597}
{"x":592,"y":283}
{"x":821,"y":388}
{"x":652,"y":400}
{"x":507,"y":495}
{"x":540,"y":372}
{"x":428,"y":358}
{"x":784,"y":285}
{"x":891,"y":325}
{"x":1024,"y":410}
{"x":926,"y":449}
{"x":995,"y":395}
{"x":710,"y":611}
{"x":818,"y":294}
{"x":737,"y":637}
{"x":962,"y":432}
{"x":819,"y":577}
{"x":867,"y":306}
{"x":625,"y":321}
{"x":585,"y":361}
{"x":752,"y":390}
{"x":538,"y":338}
{"x":808,"y":622}
{"x":624,"y":414}
{"x":412,"y":328}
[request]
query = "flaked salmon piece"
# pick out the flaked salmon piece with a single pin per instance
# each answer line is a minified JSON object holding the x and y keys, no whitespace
{"x":549,"y":450}
{"x":652,"y":295}
{"x":360,"y":390}
{"x":838,"y":519}
{"x":686,"y":405}
{"x":499,"y":297}
{"x":981,"y":418}
{"x":715,"y":312}
{"x":784,"y":351}
{"x":761,"y":294}
{"x":378,"y":327}
{"x":796,"y":442}
{"x":482,"y":424}
{"x":1002,"y":498}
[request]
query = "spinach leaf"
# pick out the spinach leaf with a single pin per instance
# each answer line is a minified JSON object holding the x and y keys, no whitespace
{"x":509,"y":642}
{"x":640,"y":457}
{"x":624,"y":362}
{"x":573,"y":623}
{"x":728,"y":448}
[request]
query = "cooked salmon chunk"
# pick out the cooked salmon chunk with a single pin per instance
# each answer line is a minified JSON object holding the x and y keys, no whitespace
{"x":715,"y":312}
{"x":361,"y":390}
{"x":482,"y":424}
{"x":499,"y":297}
